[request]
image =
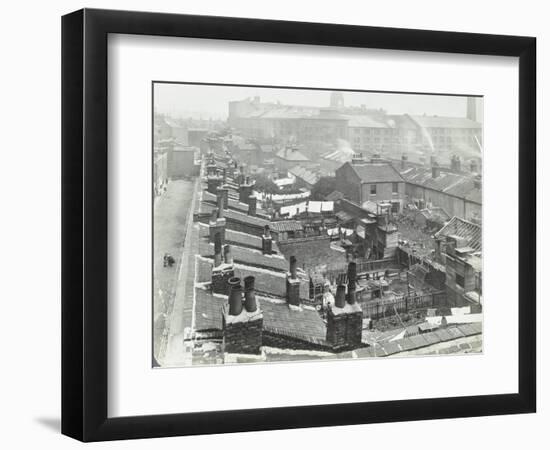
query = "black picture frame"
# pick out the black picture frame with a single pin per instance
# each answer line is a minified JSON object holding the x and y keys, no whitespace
{"x":84,"y":224}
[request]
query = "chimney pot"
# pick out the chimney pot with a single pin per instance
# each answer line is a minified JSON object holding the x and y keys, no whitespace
{"x":340,"y":300}
{"x":235,"y":300}
{"x":293,"y":267}
{"x":250,"y":294}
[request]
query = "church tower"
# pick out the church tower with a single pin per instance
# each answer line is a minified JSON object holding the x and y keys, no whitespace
{"x":336,"y":100}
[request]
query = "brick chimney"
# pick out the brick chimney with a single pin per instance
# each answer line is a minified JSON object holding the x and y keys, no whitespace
{"x":222,"y":197}
{"x":227,"y":255}
{"x":245,"y":190}
{"x":455,"y":164}
{"x":213,"y":183}
{"x":404,"y":159}
{"x":217,"y":250}
{"x":345,"y":318}
{"x":217,"y":225}
{"x":436,"y":170}
{"x":293,"y":284}
{"x":267,"y":241}
{"x":223,"y":270}
{"x":242,"y":327}
{"x":211,"y":169}
{"x":252,"y":205}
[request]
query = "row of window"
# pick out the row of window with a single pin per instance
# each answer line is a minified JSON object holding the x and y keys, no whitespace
{"x":394,"y":188}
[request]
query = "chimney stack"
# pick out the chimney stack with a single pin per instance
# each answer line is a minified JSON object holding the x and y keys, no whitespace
{"x":473,"y":166}
{"x":217,"y":250}
{"x":250,"y":295}
{"x":293,"y":284}
{"x":267,"y":241}
{"x":227,"y":256}
{"x":404,"y":159}
{"x":213,"y":183}
{"x":242,"y":330}
{"x":217,"y":225}
{"x":435,"y":170}
{"x":293,"y":267}
{"x":455,"y":164}
{"x":245,"y":190}
{"x":252,"y":205}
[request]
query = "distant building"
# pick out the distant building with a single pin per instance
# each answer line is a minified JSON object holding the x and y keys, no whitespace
{"x":289,"y":157}
{"x":182,"y":162}
{"x":196,"y":136}
{"x":165,"y":127}
{"x":367,"y":134}
{"x":361,"y":181}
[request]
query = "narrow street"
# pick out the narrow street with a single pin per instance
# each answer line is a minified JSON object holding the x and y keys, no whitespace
{"x":180,"y":316}
{"x":172,"y":215}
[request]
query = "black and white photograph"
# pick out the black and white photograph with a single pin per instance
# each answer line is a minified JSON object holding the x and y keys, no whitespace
{"x":296,"y":224}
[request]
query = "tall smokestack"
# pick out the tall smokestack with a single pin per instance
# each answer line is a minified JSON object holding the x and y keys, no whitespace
{"x":250,"y":295}
{"x":340,"y":300}
{"x":235,"y":300}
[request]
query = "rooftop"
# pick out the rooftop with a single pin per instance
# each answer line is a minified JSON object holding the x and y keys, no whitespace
{"x":291,"y":154}
{"x":300,"y":323}
{"x":370,"y":172}
{"x":444,"y":122}
{"x":464,"y":229}
{"x":458,"y":185}
{"x":305,"y":174}
{"x":365,"y":122}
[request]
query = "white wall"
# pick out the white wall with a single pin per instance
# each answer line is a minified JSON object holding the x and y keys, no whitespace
{"x":30,"y":237}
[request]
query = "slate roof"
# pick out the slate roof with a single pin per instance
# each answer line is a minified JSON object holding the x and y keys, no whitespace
{"x":232,"y":202}
{"x":376,"y":173}
{"x":365,"y":122}
{"x":231,"y":214}
{"x":306,"y":175}
{"x":444,"y":122}
{"x":334,"y":195}
{"x":291,"y":155}
{"x":248,"y":256}
{"x":286,"y":225}
{"x":467,"y":230}
{"x":457,"y":185}
{"x":279,"y":318}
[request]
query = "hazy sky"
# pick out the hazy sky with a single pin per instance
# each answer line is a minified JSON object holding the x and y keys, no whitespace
{"x":211,"y":101}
